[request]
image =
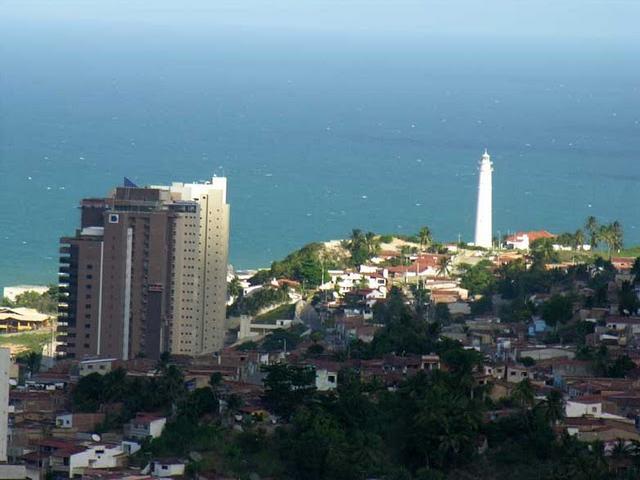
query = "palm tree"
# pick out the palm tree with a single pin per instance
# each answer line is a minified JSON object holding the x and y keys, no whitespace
{"x":33,"y":360}
{"x":611,"y":235}
{"x":553,"y":407}
{"x":542,"y":250}
{"x":372,"y":241}
{"x":578,"y":239}
{"x":444,"y":266}
{"x":234,"y":288}
{"x":621,"y":448}
{"x":425,"y":237}
{"x":523,"y":394}
{"x":635,"y":270}
{"x":591,"y":226}
{"x":405,"y":251}
{"x":616,"y":235}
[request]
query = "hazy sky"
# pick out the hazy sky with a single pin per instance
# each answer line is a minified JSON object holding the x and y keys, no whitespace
{"x":615,"y":19}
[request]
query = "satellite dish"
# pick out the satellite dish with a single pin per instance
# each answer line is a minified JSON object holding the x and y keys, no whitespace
{"x":95,"y":437}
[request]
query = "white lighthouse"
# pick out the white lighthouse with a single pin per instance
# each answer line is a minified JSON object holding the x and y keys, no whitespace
{"x":484,"y":234}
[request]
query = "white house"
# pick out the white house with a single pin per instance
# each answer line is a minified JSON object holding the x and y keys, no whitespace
{"x":523,"y":240}
{"x":620,"y":324}
{"x":583,"y":406}
{"x":96,"y":365}
{"x":167,"y":467}
{"x":326,"y":379}
{"x":347,"y":281}
{"x":72,"y":460}
{"x":145,"y":425}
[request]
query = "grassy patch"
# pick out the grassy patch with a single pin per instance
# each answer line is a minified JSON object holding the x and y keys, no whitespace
{"x":283,"y":312}
{"x":30,"y":341}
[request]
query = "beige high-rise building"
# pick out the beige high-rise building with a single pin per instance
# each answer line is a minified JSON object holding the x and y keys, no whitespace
{"x":5,"y":364}
{"x":199,"y":282}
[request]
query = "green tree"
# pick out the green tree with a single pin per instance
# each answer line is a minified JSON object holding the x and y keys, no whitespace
{"x":482,"y":306}
{"x":425,"y":237}
{"x":592,"y":228}
{"x":557,"y":310}
{"x":628,"y":303}
{"x":542,"y":251}
{"x":523,"y":394}
{"x":442,"y":313}
{"x":362,"y":246}
{"x":578,"y":239}
{"x":31,"y":360}
{"x":234,"y":288}
{"x":553,"y":407}
{"x":286,"y":387}
{"x":444,"y":266}
{"x":479,"y":278}
{"x":621,"y":367}
{"x":612,"y":236}
{"x":635,"y":270}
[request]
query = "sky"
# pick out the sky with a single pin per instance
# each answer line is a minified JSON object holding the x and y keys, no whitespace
{"x":579,"y":19}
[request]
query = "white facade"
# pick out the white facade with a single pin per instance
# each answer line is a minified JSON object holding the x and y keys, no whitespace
{"x":519,"y":241}
{"x":143,"y":426}
{"x":484,"y":226}
{"x":577,"y":408}
{"x":5,"y":364}
{"x":95,"y":456}
{"x":167,"y":468}
{"x":326,"y":380}
{"x":349,"y":281}
{"x":96,"y":365}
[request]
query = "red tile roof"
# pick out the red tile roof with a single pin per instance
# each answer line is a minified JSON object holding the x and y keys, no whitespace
{"x":533,"y":235}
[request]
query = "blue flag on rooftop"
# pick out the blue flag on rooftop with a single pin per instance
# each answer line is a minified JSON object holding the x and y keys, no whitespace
{"x":129,"y":183}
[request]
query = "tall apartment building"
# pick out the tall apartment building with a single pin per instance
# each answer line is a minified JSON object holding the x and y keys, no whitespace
{"x":133,"y":275}
{"x":5,"y":364}
{"x":208,"y":321}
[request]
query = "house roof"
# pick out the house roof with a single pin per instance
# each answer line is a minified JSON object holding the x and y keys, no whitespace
{"x":148,"y":417}
{"x":22,"y":313}
{"x":533,"y":236}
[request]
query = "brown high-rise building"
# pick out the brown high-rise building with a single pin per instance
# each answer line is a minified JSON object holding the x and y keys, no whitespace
{"x":120,"y":273}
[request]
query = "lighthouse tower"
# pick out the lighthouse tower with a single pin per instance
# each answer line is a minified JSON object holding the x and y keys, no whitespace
{"x":484,"y":236}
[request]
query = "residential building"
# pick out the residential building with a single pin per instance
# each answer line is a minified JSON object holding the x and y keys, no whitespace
{"x":146,"y":273}
{"x":145,"y":425}
{"x":21,"y":319}
{"x":167,"y":467}
{"x":201,"y":329}
{"x":523,"y":240}
{"x":82,"y":422}
{"x":96,"y":365}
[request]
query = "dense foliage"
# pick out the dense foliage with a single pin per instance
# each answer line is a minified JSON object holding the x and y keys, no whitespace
{"x":258,"y":300}
{"x":136,"y":394}
{"x":46,"y":302}
{"x":304,"y":265}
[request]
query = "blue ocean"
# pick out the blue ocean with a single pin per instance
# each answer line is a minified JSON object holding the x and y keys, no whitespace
{"x":318,"y":130}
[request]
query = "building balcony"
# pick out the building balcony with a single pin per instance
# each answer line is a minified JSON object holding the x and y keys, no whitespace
{"x":66,"y":260}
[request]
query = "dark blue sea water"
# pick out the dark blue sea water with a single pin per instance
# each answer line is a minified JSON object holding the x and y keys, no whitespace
{"x":317,"y":132}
